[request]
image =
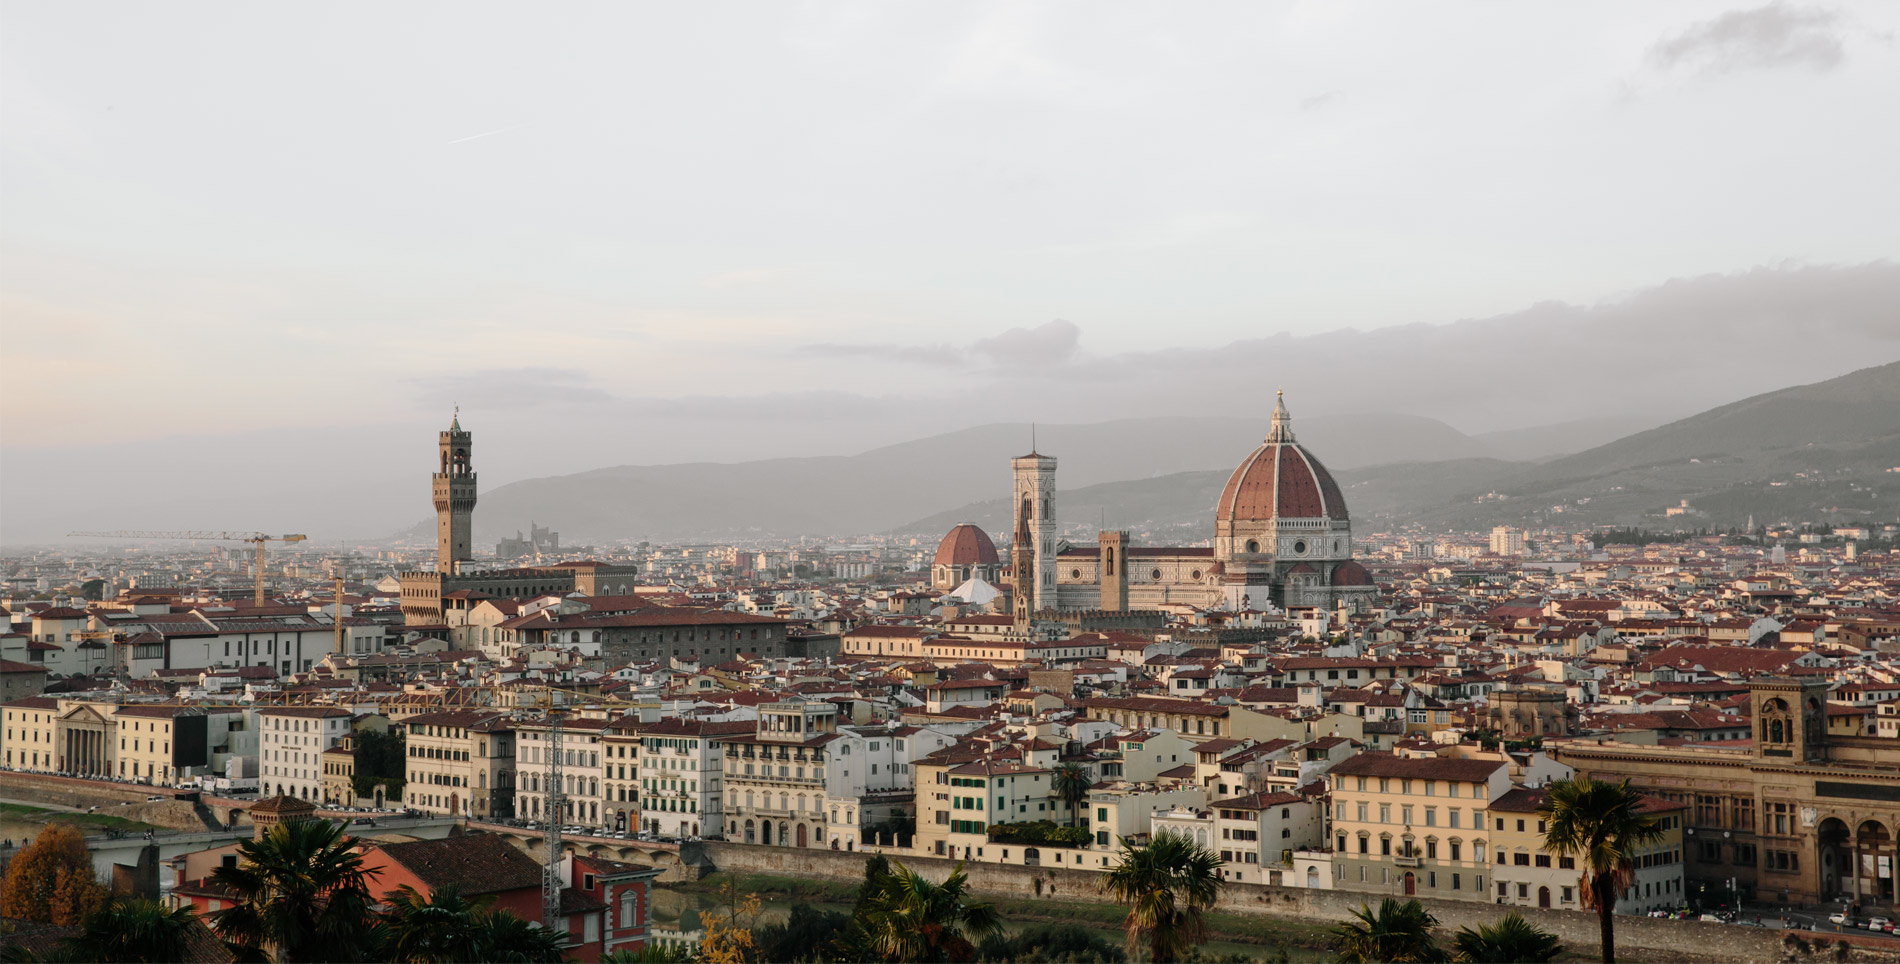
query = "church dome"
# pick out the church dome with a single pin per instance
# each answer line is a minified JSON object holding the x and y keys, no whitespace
{"x":966,"y":545}
{"x":1351,"y":574}
{"x":1280,"y":480}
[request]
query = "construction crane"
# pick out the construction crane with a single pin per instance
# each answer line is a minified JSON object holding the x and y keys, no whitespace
{"x":336,"y":599}
{"x":551,"y":882}
{"x":257,"y":539}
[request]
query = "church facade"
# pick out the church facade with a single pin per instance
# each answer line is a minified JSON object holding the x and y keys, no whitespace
{"x":1282,"y":538}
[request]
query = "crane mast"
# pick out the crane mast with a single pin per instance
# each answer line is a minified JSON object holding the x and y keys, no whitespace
{"x":256,"y":539}
{"x":551,"y":882}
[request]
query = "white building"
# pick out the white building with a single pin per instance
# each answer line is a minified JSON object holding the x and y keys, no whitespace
{"x":681,"y":763}
{"x":1507,"y":541}
{"x":581,"y":771}
{"x":291,"y":741}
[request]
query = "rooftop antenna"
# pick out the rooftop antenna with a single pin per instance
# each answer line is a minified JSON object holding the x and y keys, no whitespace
{"x":1032,"y":438}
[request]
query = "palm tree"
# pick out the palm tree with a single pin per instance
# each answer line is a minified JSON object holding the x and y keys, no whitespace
{"x":1072,"y":785}
{"x":1168,"y":885}
{"x":908,"y":919}
{"x":505,"y":938}
{"x":1600,"y":824}
{"x":1512,"y":940}
{"x":440,"y":928}
{"x":1395,"y":933}
{"x":301,"y":894}
{"x":127,"y":931}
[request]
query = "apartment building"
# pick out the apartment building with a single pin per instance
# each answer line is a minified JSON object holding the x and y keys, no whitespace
{"x":161,"y":744}
{"x":774,"y":777}
{"x":30,"y":732}
{"x":460,"y":763}
{"x":151,"y":743}
{"x":620,"y":773}
{"x":1414,"y":826}
{"x":886,"y":642}
{"x":870,"y":774}
{"x":1258,"y":834}
{"x":1142,"y":756}
{"x":291,"y":741}
{"x":680,"y":772}
{"x":338,"y":764}
{"x":1526,"y":875}
{"x":966,"y":798}
{"x":582,"y":766}
{"x":1127,"y":810}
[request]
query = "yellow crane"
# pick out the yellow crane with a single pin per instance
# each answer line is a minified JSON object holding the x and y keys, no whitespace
{"x":257,"y":539}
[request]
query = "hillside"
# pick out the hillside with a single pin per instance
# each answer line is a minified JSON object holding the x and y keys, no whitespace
{"x":891,"y":486}
{"x":1811,"y":451}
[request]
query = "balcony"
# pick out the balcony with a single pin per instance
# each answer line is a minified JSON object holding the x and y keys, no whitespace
{"x":1408,"y":861}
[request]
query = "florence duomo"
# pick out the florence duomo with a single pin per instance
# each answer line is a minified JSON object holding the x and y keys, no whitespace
{"x":1282,"y":537}
{"x":942,"y":480}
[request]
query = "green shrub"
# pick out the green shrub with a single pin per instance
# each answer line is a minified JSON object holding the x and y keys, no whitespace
{"x":1039,"y":833}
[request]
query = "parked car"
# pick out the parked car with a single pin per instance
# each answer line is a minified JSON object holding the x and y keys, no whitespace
{"x":1877,"y":923}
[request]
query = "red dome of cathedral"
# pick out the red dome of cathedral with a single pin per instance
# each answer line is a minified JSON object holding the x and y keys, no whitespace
{"x":966,"y":545}
{"x":1351,"y":574}
{"x":1280,"y":480}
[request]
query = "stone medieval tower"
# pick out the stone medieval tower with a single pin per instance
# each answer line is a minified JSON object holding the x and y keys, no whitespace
{"x":1034,"y":553}
{"x":1114,"y":570}
{"x":454,"y":492}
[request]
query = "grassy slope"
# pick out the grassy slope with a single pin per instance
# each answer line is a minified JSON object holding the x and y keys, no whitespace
{"x":81,"y":821}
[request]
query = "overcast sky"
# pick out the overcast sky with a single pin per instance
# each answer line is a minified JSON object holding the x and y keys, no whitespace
{"x":639,"y":232}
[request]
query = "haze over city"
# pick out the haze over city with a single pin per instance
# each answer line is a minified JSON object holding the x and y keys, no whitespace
{"x":816,"y":229}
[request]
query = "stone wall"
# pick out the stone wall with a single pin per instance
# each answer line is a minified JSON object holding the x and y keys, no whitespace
{"x":1708,"y":941}
{"x":112,"y":800}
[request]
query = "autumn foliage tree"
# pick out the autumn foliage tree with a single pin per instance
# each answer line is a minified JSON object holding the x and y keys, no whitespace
{"x":51,"y":880}
{"x":728,"y":938}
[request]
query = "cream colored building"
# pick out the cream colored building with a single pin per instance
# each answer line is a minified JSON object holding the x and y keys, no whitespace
{"x":774,"y":777}
{"x":460,"y":763}
{"x":339,"y":773}
{"x":1526,"y":875}
{"x":29,"y":733}
{"x":582,"y":763}
{"x":1414,"y":826}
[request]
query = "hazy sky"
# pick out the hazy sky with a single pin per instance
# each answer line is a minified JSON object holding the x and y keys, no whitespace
{"x":619,"y":232}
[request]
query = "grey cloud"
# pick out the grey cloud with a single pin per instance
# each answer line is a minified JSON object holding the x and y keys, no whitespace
{"x":1047,"y":344}
{"x":512,"y":388}
{"x":815,"y":406}
{"x":1677,"y":347}
{"x":884,"y":351}
{"x":1764,"y":38}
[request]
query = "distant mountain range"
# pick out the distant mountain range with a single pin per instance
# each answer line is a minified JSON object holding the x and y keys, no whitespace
{"x":894,"y":485}
{"x":1798,"y":452}
{"x":1808,"y":452}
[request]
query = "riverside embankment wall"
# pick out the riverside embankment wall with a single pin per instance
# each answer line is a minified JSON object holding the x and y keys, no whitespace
{"x":1702,"y":941}
{"x":127,"y":801}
